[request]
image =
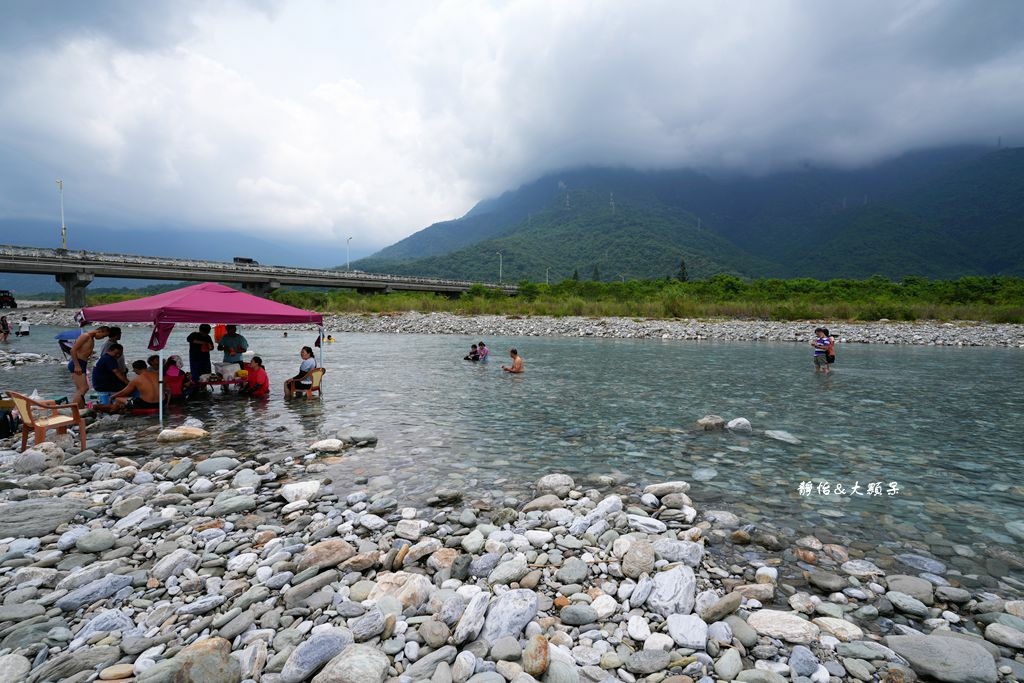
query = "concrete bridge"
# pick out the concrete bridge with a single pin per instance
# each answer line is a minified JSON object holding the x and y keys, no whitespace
{"x":76,"y":269}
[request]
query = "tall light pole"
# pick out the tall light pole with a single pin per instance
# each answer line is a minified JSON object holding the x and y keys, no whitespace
{"x":499,"y":267}
{"x":348,"y":254}
{"x":63,"y":227}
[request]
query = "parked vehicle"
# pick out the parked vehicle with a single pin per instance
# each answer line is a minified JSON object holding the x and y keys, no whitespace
{"x":245,"y":261}
{"x":7,"y":299}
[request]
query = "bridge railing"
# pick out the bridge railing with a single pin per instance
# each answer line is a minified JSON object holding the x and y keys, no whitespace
{"x":227,"y":268}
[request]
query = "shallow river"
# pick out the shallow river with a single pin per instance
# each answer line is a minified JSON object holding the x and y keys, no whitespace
{"x":944,"y":425}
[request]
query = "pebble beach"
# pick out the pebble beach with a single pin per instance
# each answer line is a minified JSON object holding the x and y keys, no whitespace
{"x":153,"y":557}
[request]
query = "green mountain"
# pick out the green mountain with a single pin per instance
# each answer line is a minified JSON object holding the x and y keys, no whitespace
{"x":940,"y":213}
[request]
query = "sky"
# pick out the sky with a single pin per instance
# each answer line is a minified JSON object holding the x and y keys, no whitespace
{"x":322,"y":120}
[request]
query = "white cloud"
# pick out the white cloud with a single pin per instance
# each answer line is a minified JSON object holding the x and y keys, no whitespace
{"x":328,"y":120}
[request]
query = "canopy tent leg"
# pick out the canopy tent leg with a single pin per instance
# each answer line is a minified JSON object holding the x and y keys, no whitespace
{"x":160,"y":398}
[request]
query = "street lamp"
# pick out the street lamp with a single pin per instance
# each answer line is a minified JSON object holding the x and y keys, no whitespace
{"x":63,"y":227}
{"x":348,"y":254}
{"x":499,"y":267}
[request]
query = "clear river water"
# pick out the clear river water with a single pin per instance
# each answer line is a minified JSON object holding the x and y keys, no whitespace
{"x":944,"y":426}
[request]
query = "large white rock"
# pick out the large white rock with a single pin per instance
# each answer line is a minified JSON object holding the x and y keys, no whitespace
{"x":673,"y":592}
{"x":558,"y":484}
{"x":739,"y":424}
{"x":783,"y":625}
{"x":688,"y":630}
{"x":667,"y":487}
{"x":300,"y":490}
{"x":782,"y":435}
{"x":328,"y":446}
{"x":840,"y":628}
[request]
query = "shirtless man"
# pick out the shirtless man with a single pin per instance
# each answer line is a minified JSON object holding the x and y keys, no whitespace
{"x":80,"y":354}
{"x":517,"y":362}
{"x":145,"y":382}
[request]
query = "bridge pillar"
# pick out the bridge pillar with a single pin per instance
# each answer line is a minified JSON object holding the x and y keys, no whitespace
{"x":263,"y":289}
{"x":74,"y":285}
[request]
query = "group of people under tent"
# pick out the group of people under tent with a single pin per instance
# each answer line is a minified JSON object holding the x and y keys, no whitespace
{"x":110,"y":378}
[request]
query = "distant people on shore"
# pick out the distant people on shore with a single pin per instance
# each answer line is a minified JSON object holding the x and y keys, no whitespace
{"x":81,"y":351}
{"x":517,"y":362}
{"x":24,"y":327}
{"x":257,"y":383}
{"x":474,"y":353}
{"x":302,"y":381}
{"x":145,"y":382}
{"x":200,"y":344}
{"x":820,"y":345}
{"x":483,"y":351}
{"x":5,"y":328}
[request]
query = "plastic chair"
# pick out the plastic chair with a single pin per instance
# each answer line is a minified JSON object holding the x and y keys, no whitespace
{"x":39,"y":425}
{"x":316,"y":375}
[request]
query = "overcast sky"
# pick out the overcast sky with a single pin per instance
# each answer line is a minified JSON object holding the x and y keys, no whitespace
{"x":313,"y":118}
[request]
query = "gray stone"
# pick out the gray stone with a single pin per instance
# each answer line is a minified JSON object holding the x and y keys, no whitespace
{"x":573,"y":570}
{"x":472,"y":619}
{"x":96,"y":541}
{"x":578,"y":614}
{"x":508,"y":572}
{"x":557,"y":484}
{"x":907,"y":604}
{"x":946,"y":659}
{"x":91,"y":592}
{"x":14,"y":667}
{"x":729,"y":665}
{"x":674,"y":592}
{"x":827,"y":581}
{"x":679,"y":551}
{"x":638,"y":560}
{"x":759,"y":676}
{"x":232,"y":505}
{"x":355,"y":664}
{"x":37,"y":517}
{"x":174,"y":564}
{"x":866,"y":649}
{"x":647,"y":661}
{"x":802,"y":661}
{"x":104,"y":622}
{"x":367,"y":626}
{"x":509,"y":613}
{"x":921,"y":563}
{"x":913,"y":586}
{"x":434,"y":633}
{"x":212,"y":465}
{"x":1004,"y":635}
{"x":506,"y":648}
{"x":20,"y":611}
{"x":721,"y":608}
{"x":688,"y":630}
{"x":67,"y":665}
{"x":311,"y":654}
{"x":424,"y":666}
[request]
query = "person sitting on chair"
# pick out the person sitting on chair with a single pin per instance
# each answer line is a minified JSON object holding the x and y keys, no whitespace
{"x":145,"y":382}
{"x":303,"y":381}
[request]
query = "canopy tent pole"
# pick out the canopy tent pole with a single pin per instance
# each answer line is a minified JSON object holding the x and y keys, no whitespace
{"x":161,"y":396}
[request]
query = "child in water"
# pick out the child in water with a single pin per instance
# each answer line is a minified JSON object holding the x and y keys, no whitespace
{"x":473,"y":353}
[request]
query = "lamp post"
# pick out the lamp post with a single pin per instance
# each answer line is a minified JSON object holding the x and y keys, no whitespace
{"x":348,"y":254}
{"x":499,"y":267}
{"x":63,"y":227}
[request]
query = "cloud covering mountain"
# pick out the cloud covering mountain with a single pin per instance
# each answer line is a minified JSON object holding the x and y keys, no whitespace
{"x":312,"y":121}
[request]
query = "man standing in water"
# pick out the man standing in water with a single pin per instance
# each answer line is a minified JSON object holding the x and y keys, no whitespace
{"x":517,"y":362}
{"x":820,"y":344}
{"x":80,"y":354}
{"x":199,"y":346}
{"x":233,"y":345}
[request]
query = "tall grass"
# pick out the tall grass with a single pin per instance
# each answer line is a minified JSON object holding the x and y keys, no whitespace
{"x":991,"y":299}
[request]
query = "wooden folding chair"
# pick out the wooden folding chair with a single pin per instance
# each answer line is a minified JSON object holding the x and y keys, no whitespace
{"x":39,"y":425}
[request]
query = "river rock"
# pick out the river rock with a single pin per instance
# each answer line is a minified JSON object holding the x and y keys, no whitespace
{"x":578,"y":614}
{"x":667,"y":487}
{"x":913,"y":586}
{"x":907,"y":604}
{"x":679,"y":551}
{"x":556,"y":484}
{"x":301,"y":490}
{"x":739,"y":424}
{"x":946,"y":659}
{"x":65,"y":666}
{"x":783,"y":625}
{"x":573,"y":570}
{"x":329,"y":553}
{"x":37,"y":517}
{"x":311,"y":654}
{"x":673,"y":592}
{"x":509,"y":613}
{"x":328,"y":446}
{"x":688,"y":630}
{"x":721,"y":608}
{"x":647,"y":661}
{"x":472,"y":620}
{"x":355,"y":664}
{"x":535,"y":656}
{"x":639,"y":559}
{"x":1004,"y":635}
{"x":91,"y":592}
{"x":921,"y":563}
{"x":412,"y":590}
{"x":424,"y":667}
{"x":508,"y":572}
{"x":840,"y":628}
{"x":729,"y":665}
{"x":14,"y":667}
{"x":179,"y":434}
{"x":711,"y":423}
{"x":782,"y":435}
{"x":174,"y":564}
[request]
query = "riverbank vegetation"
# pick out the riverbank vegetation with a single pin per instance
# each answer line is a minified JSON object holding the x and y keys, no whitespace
{"x":991,"y":299}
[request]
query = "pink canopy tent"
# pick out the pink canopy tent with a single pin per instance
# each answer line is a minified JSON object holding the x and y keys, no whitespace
{"x":203,"y":303}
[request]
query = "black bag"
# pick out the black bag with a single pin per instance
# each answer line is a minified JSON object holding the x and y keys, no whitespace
{"x":9,"y":424}
{"x":830,"y":357}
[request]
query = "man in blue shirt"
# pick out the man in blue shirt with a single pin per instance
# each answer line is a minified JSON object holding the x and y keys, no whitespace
{"x":233,"y":345}
{"x":107,"y":375}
